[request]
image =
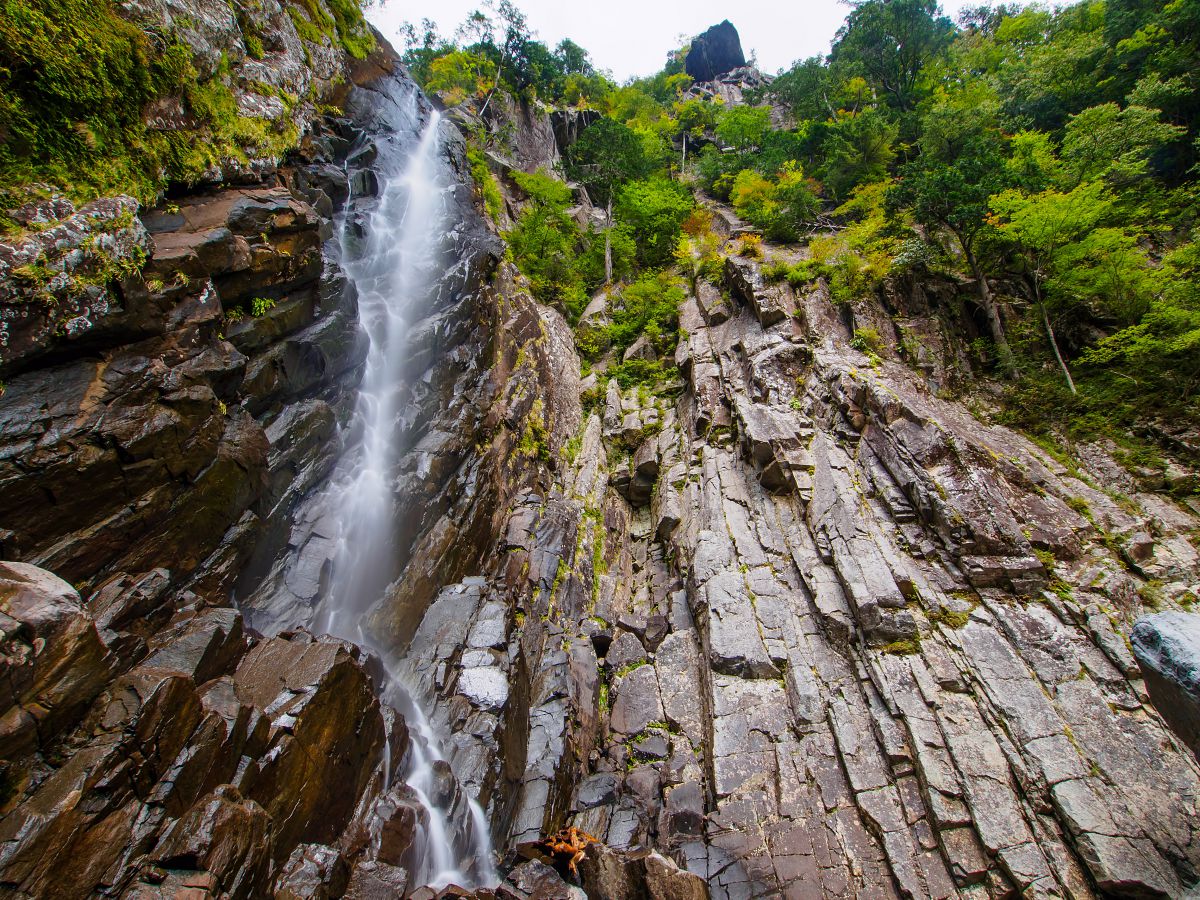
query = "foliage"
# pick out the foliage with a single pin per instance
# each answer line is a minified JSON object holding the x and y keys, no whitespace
{"x":485,"y":183}
{"x":743,"y":128}
{"x":653,"y":210}
{"x":494,"y":48}
{"x":459,"y":75}
{"x":606,"y":155}
{"x":780,"y":207}
{"x":547,"y":246}
{"x":890,"y":43}
{"x":650,"y":307}
{"x":1036,"y":153}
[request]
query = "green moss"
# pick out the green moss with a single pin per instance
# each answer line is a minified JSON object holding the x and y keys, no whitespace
{"x":485,"y":183}
{"x":629,"y":667}
{"x":950,"y":618}
{"x":1151,"y":595}
{"x":1080,"y":506}
{"x":535,"y":439}
{"x":908,"y":647}
{"x":75,"y":78}
{"x":76,"y":81}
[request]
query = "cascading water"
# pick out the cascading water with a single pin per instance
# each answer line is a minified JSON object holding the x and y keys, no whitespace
{"x":396,"y":272}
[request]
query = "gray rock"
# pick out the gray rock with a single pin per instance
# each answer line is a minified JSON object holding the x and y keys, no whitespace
{"x":1167,"y":647}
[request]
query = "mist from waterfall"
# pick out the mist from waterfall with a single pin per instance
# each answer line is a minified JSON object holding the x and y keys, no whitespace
{"x":396,"y":268}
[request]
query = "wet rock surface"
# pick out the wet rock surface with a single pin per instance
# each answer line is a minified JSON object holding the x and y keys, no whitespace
{"x":840,"y":639}
{"x":187,"y":761}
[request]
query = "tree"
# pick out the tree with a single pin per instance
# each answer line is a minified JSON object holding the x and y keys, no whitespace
{"x":459,"y":74}
{"x":1042,"y":225}
{"x":858,"y":147}
{"x":1160,"y":354}
{"x":778,"y":206}
{"x":421,"y":48}
{"x":806,"y":89}
{"x":1107,"y":141}
{"x":744,"y":127}
{"x":948,"y":186}
{"x":653,"y":210}
{"x":606,"y":155}
{"x":892,"y":40}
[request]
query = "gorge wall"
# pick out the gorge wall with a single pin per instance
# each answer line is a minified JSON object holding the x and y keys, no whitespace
{"x":802,"y":626}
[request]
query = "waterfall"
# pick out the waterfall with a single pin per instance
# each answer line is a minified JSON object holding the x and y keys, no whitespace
{"x":396,"y":272}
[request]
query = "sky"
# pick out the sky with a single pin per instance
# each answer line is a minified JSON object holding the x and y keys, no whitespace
{"x":632,"y":37}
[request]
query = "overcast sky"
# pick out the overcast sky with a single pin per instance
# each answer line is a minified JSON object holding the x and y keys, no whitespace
{"x":633,"y":37}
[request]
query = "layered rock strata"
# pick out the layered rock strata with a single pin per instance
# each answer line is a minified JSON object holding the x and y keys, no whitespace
{"x":813,"y":630}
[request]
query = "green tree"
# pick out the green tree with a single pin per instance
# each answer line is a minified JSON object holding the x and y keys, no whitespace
{"x":948,"y":187}
{"x":1160,"y":355}
{"x":421,"y":48}
{"x":744,"y":127}
{"x":606,"y":155}
{"x":892,"y":41}
{"x":1107,"y":141}
{"x":1042,"y":226}
{"x":653,"y":210}
{"x":858,"y":147}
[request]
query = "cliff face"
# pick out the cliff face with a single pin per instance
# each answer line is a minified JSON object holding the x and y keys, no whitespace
{"x":803,"y":625}
{"x":813,"y":630}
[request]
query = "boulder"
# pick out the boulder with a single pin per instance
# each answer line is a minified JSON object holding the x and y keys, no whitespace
{"x":51,"y":656}
{"x":640,"y":349}
{"x":1167,"y":647}
{"x":313,"y":872}
{"x":225,"y":835}
{"x":717,"y":51}
{"x":637,"y":874}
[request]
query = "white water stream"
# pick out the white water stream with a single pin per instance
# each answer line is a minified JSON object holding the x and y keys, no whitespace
{"x":396,"y":275}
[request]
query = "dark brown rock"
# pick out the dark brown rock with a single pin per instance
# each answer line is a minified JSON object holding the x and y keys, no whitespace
{"x":52,"y":660}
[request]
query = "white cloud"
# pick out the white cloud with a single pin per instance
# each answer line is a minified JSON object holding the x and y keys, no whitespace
{"x":632,"y":37}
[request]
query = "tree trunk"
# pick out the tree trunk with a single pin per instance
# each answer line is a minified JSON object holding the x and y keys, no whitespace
{"x":608,"y":243}
{"x":1062,"y":363}
{"x":993,"y":312}
{"x":683,"y":165}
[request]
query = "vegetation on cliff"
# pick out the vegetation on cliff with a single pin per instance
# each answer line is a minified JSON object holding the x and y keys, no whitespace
{"x":1044,"y":157}
{"x":95,"y":103}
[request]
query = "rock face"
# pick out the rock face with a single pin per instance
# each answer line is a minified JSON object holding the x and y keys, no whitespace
{"x":798,"y":627}
{"x":808,"y":629}
{"x":198,"y":758}
{"x":151,"y":744}
{"x":717,"y":51}
{"x":1167,"y":647}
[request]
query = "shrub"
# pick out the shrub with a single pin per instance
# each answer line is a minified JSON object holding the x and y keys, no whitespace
{"x":750,"y":246}
{"x":459,"y":75}
{"x":867,"y":340}
{"x":648,"y":306}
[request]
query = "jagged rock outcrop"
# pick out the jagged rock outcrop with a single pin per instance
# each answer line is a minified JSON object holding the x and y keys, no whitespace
{"x":152,"y":744}
{"x":195,"y":757}
{"x":840,"y":638}
{"x":715,"y":52}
